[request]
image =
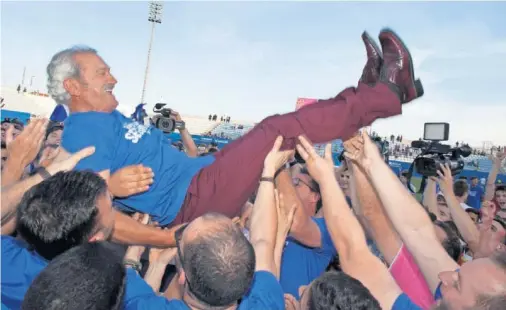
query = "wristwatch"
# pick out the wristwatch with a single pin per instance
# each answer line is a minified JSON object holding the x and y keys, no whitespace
{"x":130,"y":263}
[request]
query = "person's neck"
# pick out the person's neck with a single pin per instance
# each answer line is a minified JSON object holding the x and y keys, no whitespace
{"x":194,"y":304}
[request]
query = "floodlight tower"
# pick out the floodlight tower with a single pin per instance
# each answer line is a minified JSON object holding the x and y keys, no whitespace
{"x":155,"y":17}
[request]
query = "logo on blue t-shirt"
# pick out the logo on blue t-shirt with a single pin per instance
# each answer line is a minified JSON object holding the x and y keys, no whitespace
{"x":135,"y":131}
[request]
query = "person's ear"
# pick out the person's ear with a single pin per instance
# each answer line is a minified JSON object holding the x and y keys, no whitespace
{"x":72,"y":86}
{"x":99,"y":236}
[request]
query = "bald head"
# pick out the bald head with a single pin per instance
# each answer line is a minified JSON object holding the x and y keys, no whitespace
{"x":218,"y":260}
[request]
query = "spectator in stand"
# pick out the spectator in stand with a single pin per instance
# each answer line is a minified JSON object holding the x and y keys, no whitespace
{"x":476,"y":193}
{"x":189,"y":187}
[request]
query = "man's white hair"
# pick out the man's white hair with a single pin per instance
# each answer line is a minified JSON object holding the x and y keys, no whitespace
{"x":63,"y":66}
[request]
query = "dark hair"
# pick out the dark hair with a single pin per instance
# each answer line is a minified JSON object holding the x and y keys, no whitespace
{"x":460,"y":188}
{"x":52,"y":128}
{"x":499,"y":188}
{"x":474,"y":211}
{"x":90,"y":276}
{"x":474,"y":178}
{"x":4,"y":146}
{"x":314,"y":187}
{"x":212,"y":150}
{"x":219,"y":264}
{"x":60,"y":212}
{"x":452,"y":242}
{"x":337,"y":290}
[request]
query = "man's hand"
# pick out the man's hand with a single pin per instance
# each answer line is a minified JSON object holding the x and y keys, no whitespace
{"x":175,"y":116}
{"x":130,"y":180}
{"x":498,"y":158}
{"x":362,"y":151}
{"x":67,"y":161}
{"x":276,"y":158}
{"x":285,"y":216}
{"x":25,"y":147}
{"x":319,"y":167}
{"x":162,"y":256}
{"x":291,"y":302}
{"x":48,"y":155}
{"x":445,"y":179}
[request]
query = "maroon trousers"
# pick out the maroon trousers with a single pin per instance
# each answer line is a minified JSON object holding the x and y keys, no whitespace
{"x":227,"y":184}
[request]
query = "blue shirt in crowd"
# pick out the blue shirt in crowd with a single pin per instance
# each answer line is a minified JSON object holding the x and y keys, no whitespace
{"x":301,"y":264}
{"x":120,"y":142}
{"x":476,"y":193}
{"x":20,"y":266}
{"x":403,"y":302}
{"x":265,"y":293}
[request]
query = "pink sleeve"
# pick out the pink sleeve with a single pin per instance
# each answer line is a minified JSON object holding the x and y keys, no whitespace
{"x":409,"y":278}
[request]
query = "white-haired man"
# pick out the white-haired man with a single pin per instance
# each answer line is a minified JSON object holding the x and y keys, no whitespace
{"x":185,"y":188}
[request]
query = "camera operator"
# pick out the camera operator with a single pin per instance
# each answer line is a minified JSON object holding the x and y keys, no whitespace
{"x":188,"y":143}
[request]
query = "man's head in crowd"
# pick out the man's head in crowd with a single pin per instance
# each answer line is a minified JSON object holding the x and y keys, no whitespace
{"x":215,"y":262}
{"x":336,"y":290}
{"x":500,"y":197}
{"x":449,"y":239}
{"x":53,"y":134}
{"x":89,"y":276}
{"x":461,"y":190}
{"x":308,"y":191}
{"x":442,"y":207}
{"x":4,"y":154}
{"x":474,"y":181}
{"x":80,"y":79}
{"x":478,"y":284}
{"x":17,"y":127}
{"x":344,"y":181}
{"x":473,"y":214}
{"x":66,"y":210}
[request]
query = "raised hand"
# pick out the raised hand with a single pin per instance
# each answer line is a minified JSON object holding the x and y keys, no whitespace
{"x":285,"y":215}
{"x":131,"y":180}
{"x":25,"y":147}
{"x":445,"y":179}
{"x":134,"y":252}
{"x":319,"y":167}
{"x":67,"y":162}
{"x":276,"y":158}
{"x":361,"y":150}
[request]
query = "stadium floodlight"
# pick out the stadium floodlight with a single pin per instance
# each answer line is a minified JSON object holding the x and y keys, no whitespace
{"x":154,"y":17}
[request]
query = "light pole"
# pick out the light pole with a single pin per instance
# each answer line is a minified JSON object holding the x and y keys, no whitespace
{"x":155,"y":17}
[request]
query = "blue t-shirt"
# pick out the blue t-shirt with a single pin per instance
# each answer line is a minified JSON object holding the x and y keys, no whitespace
{"x":20,"y":266}
{"x":265,"y":293}
{"x":475,"y":195}
{"x":403,"y":302}
{"x":120,"y":142}
{"x":301,"y":264}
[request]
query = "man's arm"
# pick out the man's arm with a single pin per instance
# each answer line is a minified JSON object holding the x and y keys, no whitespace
{"x":130,"y":231}
{"x":430,"y":197}
{"x":492,"y":175}
{"x":409,"y":219}
{"x":303,"y":229}
{"x":465,"y":225}
{"x":264,"y":222}
{"x":11,"y":196}
{"x":346,"y":232}
{"x":380,"y":227}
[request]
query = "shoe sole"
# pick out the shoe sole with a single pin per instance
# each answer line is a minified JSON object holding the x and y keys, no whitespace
{"x":417,"y":83}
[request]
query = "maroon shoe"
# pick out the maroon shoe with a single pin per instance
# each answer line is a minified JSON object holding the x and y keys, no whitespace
{"x":371,"y":72}
{"x":397,"y":70}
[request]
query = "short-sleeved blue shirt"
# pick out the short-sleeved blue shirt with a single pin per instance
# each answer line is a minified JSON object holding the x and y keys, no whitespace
{"x":120,"y":142}
{"x":265,"y":293}
{"x":403,"y":302}
{"x":301,"y":264}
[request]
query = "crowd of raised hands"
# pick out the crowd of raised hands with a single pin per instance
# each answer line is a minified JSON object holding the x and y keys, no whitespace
{"x":430,"y":255}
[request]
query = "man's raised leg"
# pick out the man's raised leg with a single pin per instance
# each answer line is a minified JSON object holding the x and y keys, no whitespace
{"x":225,"y":185}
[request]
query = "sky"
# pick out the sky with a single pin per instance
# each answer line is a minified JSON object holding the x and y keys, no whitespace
{"x":253,"y":59}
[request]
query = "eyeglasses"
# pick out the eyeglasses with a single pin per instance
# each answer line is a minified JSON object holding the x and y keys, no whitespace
{"x":178,"y":235}
{"x":297,"y":182}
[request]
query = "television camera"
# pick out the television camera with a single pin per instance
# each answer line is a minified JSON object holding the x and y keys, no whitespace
{"x":435,"y":154}
{"x":163,"y":121}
